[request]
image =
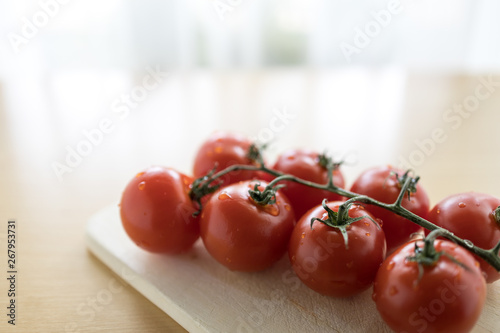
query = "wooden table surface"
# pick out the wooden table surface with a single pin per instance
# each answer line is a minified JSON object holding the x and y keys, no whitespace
{"x":442,"y":125}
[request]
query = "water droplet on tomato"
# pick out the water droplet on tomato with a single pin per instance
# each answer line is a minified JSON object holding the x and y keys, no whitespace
{"x":224,"y":196}
{"x":288,"y":208}
{"x":349,"y":264}
{"x":379,"y":221}
{"x":476,"y":263}
{"x":303,"y":235}
{"x":390,"y":265}
{"x":368,"y":234}
{"x":293,"y":258}
{"x":438,"y":211}
{"x":139,"y":174}
{"x":290,"y":157}
{"x":141,"y":185}
{"x":393,"y":291}
{"x":374,"y":297}
{"x":228,"y":260}
{"x":274,"y":210}
{"x":367,"y":224}
{"x":218,"y":150}
{"x":462,"y":205}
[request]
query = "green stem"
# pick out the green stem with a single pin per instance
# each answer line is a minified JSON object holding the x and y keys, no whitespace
{"x":490,"y":255}
{"x":429,"y":250}
{"x":404,"y":189}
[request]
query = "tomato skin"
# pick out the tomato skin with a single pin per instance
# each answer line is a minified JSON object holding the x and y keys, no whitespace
{"x":471,"y":216}
{"x":156,"y":211}
{"x":243,"y":235}
{"x":383,"y":186}
{"x":448,"y":298}
{"x":224,"y":149}
{"x":304,"y":164}
{"x":322,"y":262}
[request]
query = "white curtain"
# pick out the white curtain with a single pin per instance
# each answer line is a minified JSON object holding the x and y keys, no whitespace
{"x":458,"y":35}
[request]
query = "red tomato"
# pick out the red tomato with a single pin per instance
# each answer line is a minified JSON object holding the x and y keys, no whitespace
{"x":321,"y":260}
{"x":471,"y":216}
{"x":156,"y":211}
{"x":224,"y":149}
{"x":446,"y":298}
{"x":305,"y":164}
{"x":242,"y":234}
{"x":381,"y":184}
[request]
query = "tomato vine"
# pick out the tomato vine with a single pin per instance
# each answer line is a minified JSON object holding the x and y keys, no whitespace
{"x":209,"y":183}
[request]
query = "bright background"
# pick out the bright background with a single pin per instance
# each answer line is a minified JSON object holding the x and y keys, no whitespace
{"x":189,"y":34}
{"x":232,"y":65}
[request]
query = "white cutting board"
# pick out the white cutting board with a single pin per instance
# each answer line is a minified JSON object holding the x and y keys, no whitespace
{"x":203,"y":296}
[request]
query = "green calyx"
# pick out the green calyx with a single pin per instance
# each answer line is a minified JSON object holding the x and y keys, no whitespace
{"x":255,"y":153}
{"x":265,"y":197}
{"x":325,"y":161}
{"x":340,"y":220}
{"x":496,"y":213}
{"x":428,"y":256}
{"x":412,"y":187}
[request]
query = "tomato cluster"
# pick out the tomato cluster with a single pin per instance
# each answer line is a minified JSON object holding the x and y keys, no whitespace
{"x":250,"y":217}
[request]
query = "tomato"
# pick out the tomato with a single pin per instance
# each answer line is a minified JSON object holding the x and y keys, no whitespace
{"x":445,"y":298}
{"x":240,"y":233}
{"x":224,"y":149}
{"x":471,"y":216}
{"x":305,"y":164}
{"x":382,"y":184}
{"x":157,"y":213}
{"x":322,"y":261}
